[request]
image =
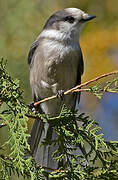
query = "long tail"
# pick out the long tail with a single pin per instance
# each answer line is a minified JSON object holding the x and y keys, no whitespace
{"x":35,"y":137}
{"x":42,"y":153}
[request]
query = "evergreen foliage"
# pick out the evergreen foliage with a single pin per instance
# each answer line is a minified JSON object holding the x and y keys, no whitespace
{"x":100,"y":161}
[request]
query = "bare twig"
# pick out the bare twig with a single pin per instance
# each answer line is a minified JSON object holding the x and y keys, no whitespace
{"x":77,"y":88}
{"x":2,"y":125}
{"x":51,"y":169}
{"x":1,"y":102}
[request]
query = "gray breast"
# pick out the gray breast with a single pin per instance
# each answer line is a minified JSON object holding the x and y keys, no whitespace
{"x":55,"y":64}
{"x":60,"y":61}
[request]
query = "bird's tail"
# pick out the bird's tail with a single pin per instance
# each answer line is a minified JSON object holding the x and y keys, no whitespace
{"x":42,"y":153}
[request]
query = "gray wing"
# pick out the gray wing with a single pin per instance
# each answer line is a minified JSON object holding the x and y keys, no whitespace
{"x":30,"y":58}
{"x":80,"y":71}
{"x":80,"y":68}
{"x":38,"y":125}
{"x":32,"y":49}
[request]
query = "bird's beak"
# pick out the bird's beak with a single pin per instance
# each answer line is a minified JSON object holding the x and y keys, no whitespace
{"x":87,"y":18}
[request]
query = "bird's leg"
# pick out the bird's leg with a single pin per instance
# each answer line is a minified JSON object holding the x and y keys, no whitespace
{"x":32,"y":107}
{"x":35,"y":109}
{"x":60,"y":94}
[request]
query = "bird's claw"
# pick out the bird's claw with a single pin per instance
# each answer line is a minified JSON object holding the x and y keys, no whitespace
{"x":60,"y":94}
{"x":32,"y":107}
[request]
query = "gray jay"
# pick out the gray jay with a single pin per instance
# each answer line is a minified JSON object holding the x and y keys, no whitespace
{"x":56,"y":65}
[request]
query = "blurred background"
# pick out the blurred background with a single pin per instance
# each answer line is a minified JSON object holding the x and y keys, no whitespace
{"x":22,"y":21}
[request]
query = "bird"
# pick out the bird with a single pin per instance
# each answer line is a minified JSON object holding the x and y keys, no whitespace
{"x":56,"y":64}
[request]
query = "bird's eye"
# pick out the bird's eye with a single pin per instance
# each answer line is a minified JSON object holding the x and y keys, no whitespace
{"x":69,"y":19}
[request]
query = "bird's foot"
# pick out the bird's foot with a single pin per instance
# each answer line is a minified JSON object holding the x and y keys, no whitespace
{"x":32,"y":107}
{"x":60,"y":94}
{"x":35,"y":109}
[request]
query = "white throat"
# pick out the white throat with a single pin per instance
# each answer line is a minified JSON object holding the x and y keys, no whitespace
{"x":54,"y":34}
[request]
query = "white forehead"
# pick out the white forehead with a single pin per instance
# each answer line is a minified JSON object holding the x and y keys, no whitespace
{"x":77,"y":13}
{"x":74,"y":11}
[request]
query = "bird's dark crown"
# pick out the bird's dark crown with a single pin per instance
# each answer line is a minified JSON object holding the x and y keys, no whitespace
{"x":59,"y":16}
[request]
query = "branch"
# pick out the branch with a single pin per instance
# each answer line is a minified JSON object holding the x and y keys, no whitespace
{"x":2,"y":125}
{"x":1,"y":102}
{"x":77,"y":88}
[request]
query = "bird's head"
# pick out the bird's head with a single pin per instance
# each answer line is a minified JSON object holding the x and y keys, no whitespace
{"x":67,"y":22}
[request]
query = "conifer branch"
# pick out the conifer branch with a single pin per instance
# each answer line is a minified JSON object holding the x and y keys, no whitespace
{"x":19,"y":162}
